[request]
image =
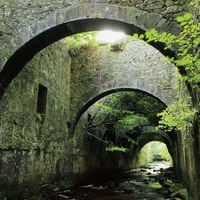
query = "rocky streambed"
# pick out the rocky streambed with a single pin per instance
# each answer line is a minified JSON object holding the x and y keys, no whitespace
{"x":157,"y":182}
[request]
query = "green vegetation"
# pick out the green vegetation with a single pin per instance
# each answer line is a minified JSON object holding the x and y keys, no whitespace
{"x":112,"y":148}
{"x":6,"y":53}
{"x":178,"y":191}
{"x":152,"y":152}
{"x":186,"y":45}
{"x":177,"y":116}
{"x":82,"y":40}
{"x":120,"y":114}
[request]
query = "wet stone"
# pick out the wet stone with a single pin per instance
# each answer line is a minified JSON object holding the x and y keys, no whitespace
{"x":140,"y":184}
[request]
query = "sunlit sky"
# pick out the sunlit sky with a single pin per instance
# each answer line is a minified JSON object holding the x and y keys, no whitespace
{"x":108,"y":36}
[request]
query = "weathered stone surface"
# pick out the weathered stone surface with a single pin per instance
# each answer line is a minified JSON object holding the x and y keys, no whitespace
{"x":22,"y":111}
{"x":23,"y":21}
{"x":38,"y":151}
{"x":45,"y":151}
{"x":34,"y":147}
{"x":96,"y":72}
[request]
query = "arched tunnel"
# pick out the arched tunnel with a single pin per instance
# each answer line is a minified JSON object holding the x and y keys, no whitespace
{"x":115,"y":140}
{"x":57,"y":119}
{"x":126,"y":119}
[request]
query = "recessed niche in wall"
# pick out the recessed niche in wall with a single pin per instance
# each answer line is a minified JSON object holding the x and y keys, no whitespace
{"x":42,"y":99}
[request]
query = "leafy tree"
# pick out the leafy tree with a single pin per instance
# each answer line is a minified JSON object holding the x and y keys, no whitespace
{"x":120,"y":113}
{"x":186,"y":45}
{"x":177,"y":116}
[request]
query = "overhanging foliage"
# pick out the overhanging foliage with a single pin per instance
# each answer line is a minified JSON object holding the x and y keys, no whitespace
{"x":187,"y":47}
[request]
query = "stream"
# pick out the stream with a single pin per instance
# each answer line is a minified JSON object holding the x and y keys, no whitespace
{"x":152,"y":183}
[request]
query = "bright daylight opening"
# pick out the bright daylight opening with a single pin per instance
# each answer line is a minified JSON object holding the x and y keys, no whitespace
{"x":155,"y":153}
{"x":108,"y":36}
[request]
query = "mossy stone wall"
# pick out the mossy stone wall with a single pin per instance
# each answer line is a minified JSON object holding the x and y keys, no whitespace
{"x":34,"y":147}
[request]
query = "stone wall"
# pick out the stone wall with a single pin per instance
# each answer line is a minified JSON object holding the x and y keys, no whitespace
{"x":35,"y":146}
{"x":95,"y":72}
{"x":37,"y":153}
{"x":51,"y":69}
{"x":186,"y":157}
{"x":29,"y":26}
{"x":36,"y":149}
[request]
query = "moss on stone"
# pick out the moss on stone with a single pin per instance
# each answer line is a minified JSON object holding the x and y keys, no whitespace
{"x":6,"y":53}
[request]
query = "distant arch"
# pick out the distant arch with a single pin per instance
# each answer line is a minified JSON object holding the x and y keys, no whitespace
{"x":103,"y":94}
{"x":150,"y":134}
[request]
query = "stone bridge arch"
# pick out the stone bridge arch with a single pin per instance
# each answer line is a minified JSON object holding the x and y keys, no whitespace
{"x":150,"y":133}
{"x":123,"y":70}
{"x":141,"y":84}
{"x":27,"y":29}
{"x":166,"y":97}
{"x":28,"y":32}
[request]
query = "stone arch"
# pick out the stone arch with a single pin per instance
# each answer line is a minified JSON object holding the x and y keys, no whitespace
{"x":171,"y":152}
{"x":150,"y":133}
{"x":166,"y":96}
{"x":147,"y":130}
{"x":104,"y":92}
{"x":121,"y":70}
{"x":65,"y":20}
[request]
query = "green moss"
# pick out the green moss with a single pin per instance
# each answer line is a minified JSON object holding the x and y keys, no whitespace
{"x":29,"y":3}
{"x":40,"y":3}
{"x":6,"y":53}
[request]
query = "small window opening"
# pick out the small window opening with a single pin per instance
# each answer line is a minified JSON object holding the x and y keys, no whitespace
{"x":42,"y":99}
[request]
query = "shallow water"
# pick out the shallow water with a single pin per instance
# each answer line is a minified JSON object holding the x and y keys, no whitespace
{"x":139,"y":184}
